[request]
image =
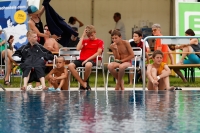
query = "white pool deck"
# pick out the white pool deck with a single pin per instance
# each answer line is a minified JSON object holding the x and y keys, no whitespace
{"x":102,"y":89}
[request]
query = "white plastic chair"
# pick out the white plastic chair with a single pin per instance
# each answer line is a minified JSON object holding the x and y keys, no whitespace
{"x":137,"y":57}
{"x":99,"y":66}
{"x":70,"y":54}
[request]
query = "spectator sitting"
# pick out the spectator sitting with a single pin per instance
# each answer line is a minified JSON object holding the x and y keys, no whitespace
{"x":123,"y":54}
{"x":9,"y":56}
{"x":193,"y":46}
{"x":90,"y":49}
{"x":158,"y":73}
{"x":59,"y":81}
{"x":50,"y":43}
{"x":137,"y":42}
{"x":33,"y":56}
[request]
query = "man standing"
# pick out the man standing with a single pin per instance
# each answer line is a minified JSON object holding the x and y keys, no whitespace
{"x":90,"y":49}
{"x":156,"y":30}
{"x":119,"y":25}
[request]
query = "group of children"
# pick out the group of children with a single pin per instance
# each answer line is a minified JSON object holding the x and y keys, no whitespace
{"x":34,"y":56}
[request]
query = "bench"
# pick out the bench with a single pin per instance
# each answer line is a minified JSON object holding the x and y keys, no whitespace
{"x":189,"y":70}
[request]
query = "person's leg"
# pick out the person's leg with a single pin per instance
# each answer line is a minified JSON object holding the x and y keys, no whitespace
{"x":121,"y":72}
{"x":9,"y":67}
{"x":42,"y":80}
{"x":88,"y":69}
{"x":26,"y":79}
{"x":131,"y":77}
{"x":164,"y":83}
{"x":154,"y":75}
{"x":72,"y":68}
{"x":179,"y":73}
{"x":65,"y":84}
{"x":131,"y":74}
{"x":150,"y":85}
{"x":185,"y":49}
{"x":111,"y":67}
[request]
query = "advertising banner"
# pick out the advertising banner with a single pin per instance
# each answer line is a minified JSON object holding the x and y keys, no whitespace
{"x":188,"y":17}
{"x":13,"y":19}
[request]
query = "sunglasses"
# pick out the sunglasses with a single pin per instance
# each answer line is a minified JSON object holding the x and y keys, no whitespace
{"x":154,"y":30}
{"x":46,"y":29}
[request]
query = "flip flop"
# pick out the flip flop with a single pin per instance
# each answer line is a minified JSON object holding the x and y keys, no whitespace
{"x":88,"y":88}
{"x":177,"y":88}
{"x":81,"y":88}
{"x":6,"y":82}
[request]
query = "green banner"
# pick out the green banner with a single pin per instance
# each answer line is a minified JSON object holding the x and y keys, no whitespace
{"x":189,"y":17}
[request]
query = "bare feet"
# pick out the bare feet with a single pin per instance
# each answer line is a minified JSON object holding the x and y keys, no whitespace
{"x":23,"y":88}
{"x":45,"y":88}
{"x":117,"y":87}
{"x":171,"y":88}
{"x":122,"y":85}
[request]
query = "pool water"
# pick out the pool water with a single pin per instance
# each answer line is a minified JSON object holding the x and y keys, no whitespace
{"x":100,"y":111}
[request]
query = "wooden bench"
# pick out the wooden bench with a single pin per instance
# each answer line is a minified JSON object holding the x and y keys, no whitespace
{"x":189,"y":70}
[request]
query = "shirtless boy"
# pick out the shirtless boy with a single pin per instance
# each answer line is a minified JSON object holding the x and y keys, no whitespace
{"x":123,"y":54}
{"x":59,"y":80}
{"x":50,"y":43}
{"x":158,"y":73}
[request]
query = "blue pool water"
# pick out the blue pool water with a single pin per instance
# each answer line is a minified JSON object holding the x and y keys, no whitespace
{"x":100,"y":112}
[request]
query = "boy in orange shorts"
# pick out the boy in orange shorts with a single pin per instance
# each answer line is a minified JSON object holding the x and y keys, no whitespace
{"x":59,"y":80}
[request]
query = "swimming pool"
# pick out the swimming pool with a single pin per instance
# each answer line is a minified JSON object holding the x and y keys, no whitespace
{"x":100,"y":111}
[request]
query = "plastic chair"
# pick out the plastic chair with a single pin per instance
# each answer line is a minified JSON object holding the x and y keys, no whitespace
{"x":70,"y":54}
{"x":137,"y":57}
{"x":99,"y":66}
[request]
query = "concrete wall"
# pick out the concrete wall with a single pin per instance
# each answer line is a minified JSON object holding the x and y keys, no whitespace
{"x":132,"y":11}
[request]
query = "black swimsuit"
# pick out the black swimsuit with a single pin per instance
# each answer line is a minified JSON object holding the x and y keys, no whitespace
{"x":39,"y":26}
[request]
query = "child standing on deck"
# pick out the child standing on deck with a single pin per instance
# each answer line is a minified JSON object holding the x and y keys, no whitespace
{"x":59,"y":80}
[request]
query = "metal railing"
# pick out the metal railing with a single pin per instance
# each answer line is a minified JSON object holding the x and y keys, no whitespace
{"x":161,"y":37}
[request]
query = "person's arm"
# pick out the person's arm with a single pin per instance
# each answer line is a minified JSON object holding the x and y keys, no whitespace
{"x":170,"y":56}
{"x":80,"y":23}
{"x":50,"y":74}
{"x":194,"y":41}
{"x":34,"y":28}
{"x":147,"y":57}
{"x":166,"y":73}
{"x":115,"y":51}
{"x":41,"y":11}
{"x":3,"y":42}
{"x":55,"y":46}
{"x":62,"y":76}
{"x":79,"y":45}
{"x":130,"y":51}
{"x":149,"y":76}
{"x":99,"y":51}
{"x":46,"y":53}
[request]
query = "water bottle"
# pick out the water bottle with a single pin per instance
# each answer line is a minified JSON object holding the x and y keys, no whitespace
{"x":2,"y":72}
{"x":18,"y":72}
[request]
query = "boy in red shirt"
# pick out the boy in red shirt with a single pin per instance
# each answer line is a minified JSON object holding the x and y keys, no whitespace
{"x":90,"y":49}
